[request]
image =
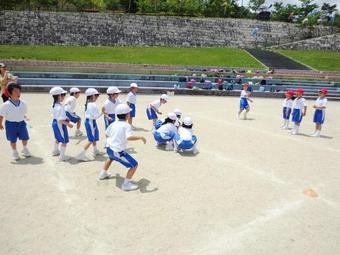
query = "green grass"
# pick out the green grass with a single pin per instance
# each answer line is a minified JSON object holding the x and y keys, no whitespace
{"x":228,"y":57}
{"x":320,"y":60}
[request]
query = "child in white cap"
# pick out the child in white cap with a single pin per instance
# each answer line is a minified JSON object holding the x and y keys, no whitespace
{"x":70,"y":108}
{"x":14,"y":112}
{"x":178,"y":113}
{"x":131,"y":101}
{"x":60,"y":123}
{"x":110,"y":105}
{"x":153,"y":108}
{"x":165,"y":134}
{"x":186,"y":140}
{"x":92,"y":113}
{"x":118,"y":134}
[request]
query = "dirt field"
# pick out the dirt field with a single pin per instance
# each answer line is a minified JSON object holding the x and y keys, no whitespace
{"x":243,"y":194}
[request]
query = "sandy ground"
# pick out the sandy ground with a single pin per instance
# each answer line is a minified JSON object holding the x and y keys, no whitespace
{"x":243,"y":194}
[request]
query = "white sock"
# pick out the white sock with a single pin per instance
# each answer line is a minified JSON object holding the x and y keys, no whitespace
{"x":126,"y":181}
{"x":14,"y":150}
{"x":56,"y":146}
{"x":62,"y":151}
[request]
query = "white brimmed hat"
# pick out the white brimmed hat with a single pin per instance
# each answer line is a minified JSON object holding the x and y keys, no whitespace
{"x":123,"y":109}
{"x":133,"y":85}
{"x":91,"y":92}
{"x":187,"y":121}
{"x":57,"y":91}
{"x":177,"y":112}
{"x":2,"y":65}
{"x":172,"y":116}
{"x":113,"y":90}
{"x":165,"y":97}
{"x":74,"y":90}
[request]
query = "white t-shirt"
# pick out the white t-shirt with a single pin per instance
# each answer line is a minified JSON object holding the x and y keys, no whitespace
{"x":110,"y":105}
{"x":299,"y":103}
{"x":168,"y":127}
{"x":156,"y":104}
{"x":321,"y":102}
{"x":244,"y":94}
{"x":70,"y":104}
{"x":92,"y":112}
{"x":13,"y":113}
{"x":185,"y":134}
{"x":131,"y":98}
{"x":117,"y":134}
{"x":287,"y":102}
{"x":59,"y":112}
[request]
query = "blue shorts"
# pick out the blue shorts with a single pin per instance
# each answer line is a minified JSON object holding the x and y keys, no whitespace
{"x":186,"y":144}
{"x":122,"y":157}
{"x":286,"y":113}
{"x":163,"y":138}
{"x":133,"y":110}
{"x":92,"y":130}
{"x":244,"y":104}
{"x":74,"y":118}
{"x":15,"y":130}
{"x":150,"y":112}
{"x":319,"y":116}
{"x":108,"y":122}
{"x":60,"y":132}
{"x":158,"y":124}
{"x":297,"y":116}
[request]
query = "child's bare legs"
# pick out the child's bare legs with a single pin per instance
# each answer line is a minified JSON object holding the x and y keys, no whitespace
{"x":130,"y":120}
{"x":131,"y":172}
{"x":15,"y":153}
{"x":79,"y":124}
{"x":14,"y":146}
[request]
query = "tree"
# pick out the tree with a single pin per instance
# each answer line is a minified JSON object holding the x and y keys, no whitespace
{"x":255,"y":5}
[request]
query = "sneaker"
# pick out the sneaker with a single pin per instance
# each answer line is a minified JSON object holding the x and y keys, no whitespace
{"x":104,"y":175}
{"x":82,"y":157}
{"x":129,"y":186}
{"x":78,"y":133}
{"x":15,"y":155}
{"x":97,"y":152}
{"x":26,"y":153}
{"x":294,"y":132}
{"x":55,"y":153}
{"x":64,"y":158}
{"x":169,"y":147}
{"x":195,"y":151}
{"x":315,"y":134}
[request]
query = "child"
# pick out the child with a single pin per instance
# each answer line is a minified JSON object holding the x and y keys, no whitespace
{"x":131,"y":101}
{"x":118,"y":134}
{"x":70,"y":106}
{"x":92,"y":113}
{"x":5,"y":79}
{"x":166,"y":133}
{"x":244,"y":98}
{"x":14,"y":112}
{"x":299,"y":110}
{"x":287,"y":108}
{"x":185,"y":140}
{"x":153,"y":107}
{"x":319,"y":114}
{"x":60,"y":123}
{"x":110,"y":105}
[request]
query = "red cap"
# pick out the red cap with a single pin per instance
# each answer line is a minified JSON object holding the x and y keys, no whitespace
{"x":324,"y":91}
{"x":299,"y":91}
{"x":290,"y":93}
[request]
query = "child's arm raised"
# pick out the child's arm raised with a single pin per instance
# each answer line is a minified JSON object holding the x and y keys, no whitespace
{"x":304,"y":111}
{"x":1,"y":120}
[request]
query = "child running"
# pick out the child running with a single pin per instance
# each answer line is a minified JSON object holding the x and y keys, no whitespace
{"x":118,"y":134}
{"x":244,"y":98}
{"x":14,"y":112}
{"x":319,"y":114}
{"x":60,"y":123}
{"x":110,"y":105}
{"x":153,"y":108}
{"x":70,"y":108}
{"x":299,"y":110}
{"x":131,"y":101}
{"x":166,"y":133}
{"x":287,"y":108}
{"x":185,"y":140}
{"x":92,"y":113}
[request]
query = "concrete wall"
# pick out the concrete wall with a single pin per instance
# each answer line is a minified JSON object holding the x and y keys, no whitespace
{"x":134,"y":30}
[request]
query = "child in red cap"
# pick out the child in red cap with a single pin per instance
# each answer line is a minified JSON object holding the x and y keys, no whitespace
{"x":299,"y":110}
{"x":319,"y":114}
{"x":287,"y":108}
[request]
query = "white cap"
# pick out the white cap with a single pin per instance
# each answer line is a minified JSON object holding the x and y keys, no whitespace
{"x":113,"y":90}
{"x":74,"y":90}
{"x":177,"y":112}
{"x":187,"y":121}
{"x":91,"y":92}
{"x":123,"y":109}
{"x":133,"y":85}
{"x":172,"y":116}
{"x":57,"y":91}
{"x":2,"y":65}
{"x":165,"y":97}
